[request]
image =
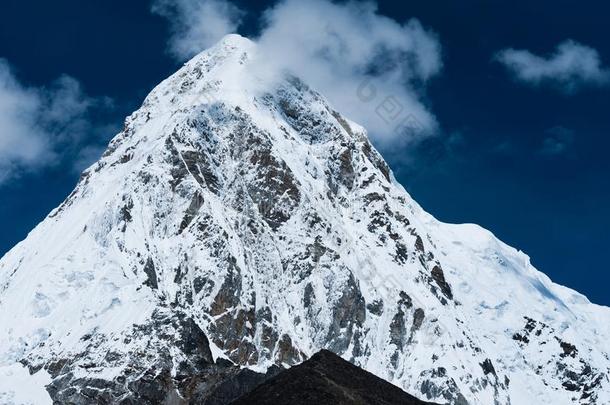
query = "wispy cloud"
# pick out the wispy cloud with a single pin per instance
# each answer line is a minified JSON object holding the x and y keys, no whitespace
{"x":557,"y":141}
{"x":372,"y":68}
{"x":570,"y":68}
{"x":39,"y":125}
{"x":197,"y":24}
{"x":22,"y":143}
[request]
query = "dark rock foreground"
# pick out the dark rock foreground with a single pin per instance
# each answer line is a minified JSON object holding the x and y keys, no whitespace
{"x":327,"y":379}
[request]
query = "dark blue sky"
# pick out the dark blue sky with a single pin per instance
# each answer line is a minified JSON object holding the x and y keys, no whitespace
{"x":486,"y":167}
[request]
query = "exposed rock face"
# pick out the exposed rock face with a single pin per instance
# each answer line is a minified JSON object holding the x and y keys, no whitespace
{"x":235,"y":384}
{"x":177,"y":368}
{"x":563,"y":360}
{"x":235,"y":223}
{"x":327,"y":379}
{"x":177,"y":356}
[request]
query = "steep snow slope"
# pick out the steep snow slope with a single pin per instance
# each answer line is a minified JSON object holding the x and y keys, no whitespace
{"x":240,"y":219}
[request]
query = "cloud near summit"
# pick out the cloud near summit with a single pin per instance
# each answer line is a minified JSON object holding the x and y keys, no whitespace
{"x":372,"y":68}
{"x":197,"y":24}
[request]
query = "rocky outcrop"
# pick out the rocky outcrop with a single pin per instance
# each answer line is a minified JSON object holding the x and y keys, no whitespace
{"x":326,"y":379}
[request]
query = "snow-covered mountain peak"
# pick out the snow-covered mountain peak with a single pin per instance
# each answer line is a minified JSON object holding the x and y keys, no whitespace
{"x":216,"y":73}
{"x":244,"y":218}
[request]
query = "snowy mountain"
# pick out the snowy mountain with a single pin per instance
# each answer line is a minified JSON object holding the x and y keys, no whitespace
{"x":236,"y":223}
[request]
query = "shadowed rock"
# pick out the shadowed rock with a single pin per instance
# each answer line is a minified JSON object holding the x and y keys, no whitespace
{"x":327,"y":379}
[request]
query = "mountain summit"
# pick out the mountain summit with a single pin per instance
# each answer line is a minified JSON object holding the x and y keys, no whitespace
{"x":241,"y":222}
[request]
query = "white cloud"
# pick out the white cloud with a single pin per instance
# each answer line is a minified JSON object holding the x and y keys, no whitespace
{"x":197,"y":24}
{"x":571,"y":67}
{"x":38,"y":125}
{"x":22,"y":142}
{"x":372,"y":68}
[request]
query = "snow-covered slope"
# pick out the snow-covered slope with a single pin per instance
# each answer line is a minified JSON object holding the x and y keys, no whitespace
{"x":233,"y":218}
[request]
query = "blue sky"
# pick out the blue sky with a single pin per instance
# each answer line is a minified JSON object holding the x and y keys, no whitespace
{"x":513,"y":100}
